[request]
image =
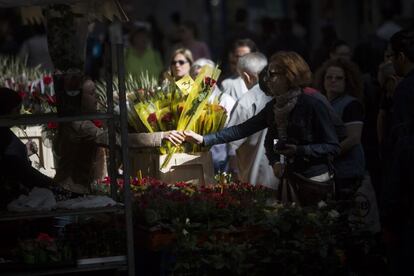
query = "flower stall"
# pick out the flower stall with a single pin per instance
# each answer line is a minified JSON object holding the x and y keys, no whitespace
{"x":241,"y":229}
{"x":181,"y":105}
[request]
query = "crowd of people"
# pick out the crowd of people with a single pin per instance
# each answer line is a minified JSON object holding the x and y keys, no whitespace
{"x":311,"y":136}
{"x":315,"y":136}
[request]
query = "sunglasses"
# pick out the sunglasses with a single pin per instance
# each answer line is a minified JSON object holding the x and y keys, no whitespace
{"x":180,"y":62}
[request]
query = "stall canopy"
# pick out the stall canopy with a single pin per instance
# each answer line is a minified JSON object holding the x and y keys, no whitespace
{"x":31,"y":10}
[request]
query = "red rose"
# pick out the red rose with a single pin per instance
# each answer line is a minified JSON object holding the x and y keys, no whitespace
{"x":209,"y":81}
{"x":47,"y":80}
{"x":97,"y":123}
{"x":51,"y":100}
{"x":180,"y":109}
{"x":44,"y":237}
{"x":22,"y":95}
{"x":52,"y":125}
{"x":152,"y":118}
{"x":167,"y":117}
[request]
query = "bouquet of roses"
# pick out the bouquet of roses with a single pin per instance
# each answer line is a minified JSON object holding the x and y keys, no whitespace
{"x":145,"y":99}
{"x":199,"y":92}
{"x":34,"y":86}
{"x":180,"y":105}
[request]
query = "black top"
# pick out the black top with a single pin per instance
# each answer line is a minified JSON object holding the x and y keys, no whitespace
{"x":403,"y":111}
{"x":310,"y":128}
{"x":353,"y":112}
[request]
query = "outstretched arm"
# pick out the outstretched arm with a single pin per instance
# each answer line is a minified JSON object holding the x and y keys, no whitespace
{"x":233,"y":133}
{"x":139,"y":140}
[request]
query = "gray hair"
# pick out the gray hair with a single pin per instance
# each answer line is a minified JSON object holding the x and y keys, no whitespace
{"x":252,"y":63}
{"x":204,"y":61}
{"x":200,"y":63}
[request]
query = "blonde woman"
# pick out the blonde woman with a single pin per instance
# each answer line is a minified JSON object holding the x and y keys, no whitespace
{"x":180,"y":63}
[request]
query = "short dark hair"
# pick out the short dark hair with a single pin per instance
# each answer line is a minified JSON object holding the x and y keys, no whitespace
{"x":403,"y":41}
{"x":9,"y":99}
{"x":246,"y":42}
{"x":336,"y":44}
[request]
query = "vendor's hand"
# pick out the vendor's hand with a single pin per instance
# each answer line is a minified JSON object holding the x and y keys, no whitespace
{"x":31,"y":148}
{"x":192,"y":137}
{"x":174,"y":136}
{"x":279,"y":169}
{"x":289,"y":150}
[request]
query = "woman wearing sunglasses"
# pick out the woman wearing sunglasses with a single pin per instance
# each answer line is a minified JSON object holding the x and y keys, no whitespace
{"x":180,"y":64}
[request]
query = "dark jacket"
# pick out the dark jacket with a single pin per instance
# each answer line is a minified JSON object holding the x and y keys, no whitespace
{"x":402,"y":109}
{"x":398,"y":191}
{"x":310,"y":128}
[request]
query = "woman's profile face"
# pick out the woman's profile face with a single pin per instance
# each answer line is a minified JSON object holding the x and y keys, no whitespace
{"x":334,"y":80}
{"x":276,"y":80}
{"x":180,"y":66}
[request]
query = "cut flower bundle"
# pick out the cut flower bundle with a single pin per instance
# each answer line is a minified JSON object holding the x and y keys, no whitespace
{"x":181,"y":105}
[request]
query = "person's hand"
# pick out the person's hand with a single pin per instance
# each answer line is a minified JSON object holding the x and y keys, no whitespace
{"x":174,"y":136}
{"x":288,"y":150}
{"x":31,"y":148}
{"x":192,"y":137}
{"x":279,"y":169}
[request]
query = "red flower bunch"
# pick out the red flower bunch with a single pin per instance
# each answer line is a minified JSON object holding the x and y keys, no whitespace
{"x":152,"y":118}
{"x":167,"y":117}
{"x":209,"y":81}
{"x":51,"y":100}
{"x":98,"y":123}
{"x":47,"y":80}
{"x":44,"y":237}
{"x":52,"y":125}
{"x":23,"y":95}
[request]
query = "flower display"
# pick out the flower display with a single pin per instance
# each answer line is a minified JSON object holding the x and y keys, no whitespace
{"x":241,"y":229}
{"x":34,"y":86}
{"x":180,"y":105}
{"x":44,"y":249}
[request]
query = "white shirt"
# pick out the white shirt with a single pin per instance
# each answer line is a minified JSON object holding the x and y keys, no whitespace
{"x":235,"y":87}
{"x":224,"y":100}
{"x":219,"y":152}
{"x":252,"y":162}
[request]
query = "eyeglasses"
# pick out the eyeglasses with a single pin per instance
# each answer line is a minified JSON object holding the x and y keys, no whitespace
{"x":272,"y":74}
{"x":338,"y":78}
{"x":180,"y":62}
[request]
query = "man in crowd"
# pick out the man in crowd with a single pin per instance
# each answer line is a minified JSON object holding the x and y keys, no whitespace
{"x":248,"y":161}
{"x":398,"y":207}
{"x":234,"y":85}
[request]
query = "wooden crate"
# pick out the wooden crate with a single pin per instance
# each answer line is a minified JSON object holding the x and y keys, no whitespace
{"x":196,"y":168}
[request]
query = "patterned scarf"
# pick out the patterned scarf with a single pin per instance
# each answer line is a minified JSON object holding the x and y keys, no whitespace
{"x":282,"y":108}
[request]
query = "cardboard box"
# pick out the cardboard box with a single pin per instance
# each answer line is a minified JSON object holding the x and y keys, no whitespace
{"x":188,"y":167}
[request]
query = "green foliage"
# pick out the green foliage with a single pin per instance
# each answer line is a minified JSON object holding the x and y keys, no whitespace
{"x":239,"y":229}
